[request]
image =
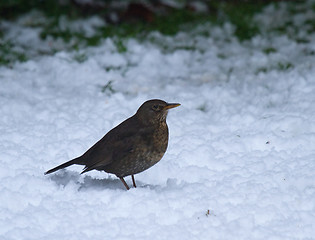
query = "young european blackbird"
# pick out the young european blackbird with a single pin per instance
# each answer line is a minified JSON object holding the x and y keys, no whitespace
{"x":132,"y":147}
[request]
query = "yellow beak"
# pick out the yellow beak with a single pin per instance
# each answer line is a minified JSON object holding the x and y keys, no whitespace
{"x":171,"y":105}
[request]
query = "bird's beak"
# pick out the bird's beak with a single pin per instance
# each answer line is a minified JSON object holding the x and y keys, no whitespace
{"x":171,"y":105}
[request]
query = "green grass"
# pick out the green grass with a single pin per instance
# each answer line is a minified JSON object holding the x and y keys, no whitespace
{"x":108,"y":88}
{"x":280,"y":66}
{"x":283,"y":66}
{"x":11,"y":9}
{"x":269,"y":50}
{"x":80,"y":57}
{"x":8,"y":54}
{"x":239,"y":13}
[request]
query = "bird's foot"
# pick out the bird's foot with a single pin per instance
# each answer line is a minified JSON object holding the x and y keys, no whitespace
{"x":124,"y":182}
{"x":133,"y":181}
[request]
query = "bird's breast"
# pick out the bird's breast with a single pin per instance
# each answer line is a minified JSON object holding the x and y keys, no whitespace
{"x":144,"y":154}
{"x":160,"y":139}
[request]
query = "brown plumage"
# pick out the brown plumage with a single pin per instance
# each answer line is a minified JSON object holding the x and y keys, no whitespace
{"x":132,"y":147}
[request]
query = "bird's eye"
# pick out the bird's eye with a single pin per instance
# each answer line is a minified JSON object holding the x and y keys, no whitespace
{"x":155,"y":107}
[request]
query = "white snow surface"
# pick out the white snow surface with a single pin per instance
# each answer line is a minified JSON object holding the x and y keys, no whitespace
{"x":241,"y":157}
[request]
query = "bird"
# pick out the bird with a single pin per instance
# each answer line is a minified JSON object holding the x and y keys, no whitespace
{"x":132,"y":147}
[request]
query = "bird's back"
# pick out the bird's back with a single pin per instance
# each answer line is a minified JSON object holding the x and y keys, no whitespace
{"x":127,"y":149}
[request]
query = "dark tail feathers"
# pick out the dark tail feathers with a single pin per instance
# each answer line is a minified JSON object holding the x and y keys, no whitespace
{"x":66,"y":164}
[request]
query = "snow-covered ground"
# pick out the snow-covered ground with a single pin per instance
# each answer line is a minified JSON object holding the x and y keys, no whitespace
{"x":241,"y":157}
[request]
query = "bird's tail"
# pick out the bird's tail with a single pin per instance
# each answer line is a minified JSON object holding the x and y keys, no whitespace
{"x":66,"y":164}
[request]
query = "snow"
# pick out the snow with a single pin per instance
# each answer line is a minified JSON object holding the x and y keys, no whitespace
{"x":240,"y":161}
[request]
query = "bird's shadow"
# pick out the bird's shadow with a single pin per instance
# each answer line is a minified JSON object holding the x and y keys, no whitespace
{"x":64,"y":177}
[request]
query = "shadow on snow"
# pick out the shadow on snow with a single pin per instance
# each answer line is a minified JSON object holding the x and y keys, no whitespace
{"x":64,"y":177}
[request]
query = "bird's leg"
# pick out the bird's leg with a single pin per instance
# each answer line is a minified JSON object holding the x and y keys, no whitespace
{"x":133,"y":181}
{"x":123,"y":181}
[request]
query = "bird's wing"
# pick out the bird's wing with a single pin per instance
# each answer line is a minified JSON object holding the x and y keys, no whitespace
{"x":116,"y":144}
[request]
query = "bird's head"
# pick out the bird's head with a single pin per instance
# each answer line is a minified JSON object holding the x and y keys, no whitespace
{"x":154,"y":111}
